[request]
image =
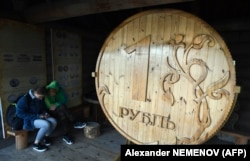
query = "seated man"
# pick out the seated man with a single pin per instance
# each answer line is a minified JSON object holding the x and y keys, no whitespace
{"x":35,"y":116}
{"x":56,"y":101}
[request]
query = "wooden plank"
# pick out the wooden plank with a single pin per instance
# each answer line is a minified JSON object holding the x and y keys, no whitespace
{"x":22,"y":49}
{"x":235,"y":134}
{"x":15,"y":133}
{"x":176,"y":76}
{"x":103,"y":148}
{"x":240,"y":139}
{"x":21,"y":138}
{"x":57,"y":10}
{"x":141,"y":54}
{"x":67,"y":64}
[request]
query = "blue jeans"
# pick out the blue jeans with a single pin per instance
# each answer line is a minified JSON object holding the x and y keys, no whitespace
{"x":45,"y":126}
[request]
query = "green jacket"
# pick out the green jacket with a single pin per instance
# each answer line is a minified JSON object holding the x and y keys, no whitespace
{"x":60,"y":97}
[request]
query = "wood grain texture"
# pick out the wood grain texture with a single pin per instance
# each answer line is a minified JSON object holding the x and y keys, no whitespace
{"x":22,"y":62}
{"x":165,"y":77}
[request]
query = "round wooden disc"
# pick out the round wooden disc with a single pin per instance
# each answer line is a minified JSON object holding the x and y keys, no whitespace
{"x":165,"y":77}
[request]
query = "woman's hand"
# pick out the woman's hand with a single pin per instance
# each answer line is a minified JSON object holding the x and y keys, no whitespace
{"x":52,"y":108}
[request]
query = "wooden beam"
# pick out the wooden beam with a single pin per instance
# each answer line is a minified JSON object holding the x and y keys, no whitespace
{"x":57,"y":10}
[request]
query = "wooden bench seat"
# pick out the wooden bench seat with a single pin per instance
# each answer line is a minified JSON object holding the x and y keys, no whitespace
{"x":21,"y":138}
{"x":240,"y":138}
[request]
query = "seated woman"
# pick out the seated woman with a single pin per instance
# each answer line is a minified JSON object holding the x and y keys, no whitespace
{"x":56,"y":101}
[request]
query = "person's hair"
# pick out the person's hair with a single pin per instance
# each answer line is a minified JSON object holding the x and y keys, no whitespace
{"x":40,"y":90}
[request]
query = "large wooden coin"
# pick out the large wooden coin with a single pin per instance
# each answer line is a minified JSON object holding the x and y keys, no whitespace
{"x":165,"y":77}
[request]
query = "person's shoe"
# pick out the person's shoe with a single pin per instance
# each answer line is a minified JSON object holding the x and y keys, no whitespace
{"x":79,"y":125}
{"x":67,"y":140}
{"x":39,"y":147}
{"x":47,"y":141}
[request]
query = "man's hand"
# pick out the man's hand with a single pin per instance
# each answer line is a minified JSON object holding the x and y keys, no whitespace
{"x":46,"y":115}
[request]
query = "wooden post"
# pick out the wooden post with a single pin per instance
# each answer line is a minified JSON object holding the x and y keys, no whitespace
{"x":92,"y":130}
{"x":21,"y":138}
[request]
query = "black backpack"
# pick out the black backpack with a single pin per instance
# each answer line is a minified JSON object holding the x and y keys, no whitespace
{"x":12,"y":120}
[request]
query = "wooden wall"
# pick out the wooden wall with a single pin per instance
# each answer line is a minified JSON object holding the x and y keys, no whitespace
{"x":91,"y":43}
{"x":22,"y":63}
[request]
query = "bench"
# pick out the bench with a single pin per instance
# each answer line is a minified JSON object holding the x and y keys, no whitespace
{"x":21,"y":138}
{"x":239,"y":138}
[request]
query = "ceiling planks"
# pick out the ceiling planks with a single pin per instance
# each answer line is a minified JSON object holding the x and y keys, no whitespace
{"x":58,"y":10}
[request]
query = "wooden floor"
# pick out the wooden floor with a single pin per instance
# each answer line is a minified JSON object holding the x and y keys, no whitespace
{"x":105,"y":147}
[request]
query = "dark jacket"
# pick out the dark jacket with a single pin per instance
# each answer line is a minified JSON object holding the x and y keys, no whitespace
{"x":31,"y":110}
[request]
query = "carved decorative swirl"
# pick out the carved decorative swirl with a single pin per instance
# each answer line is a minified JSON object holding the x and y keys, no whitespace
{"x":168,"y":81}
{"x":102,"y":91}
{"x":213,"y":91}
